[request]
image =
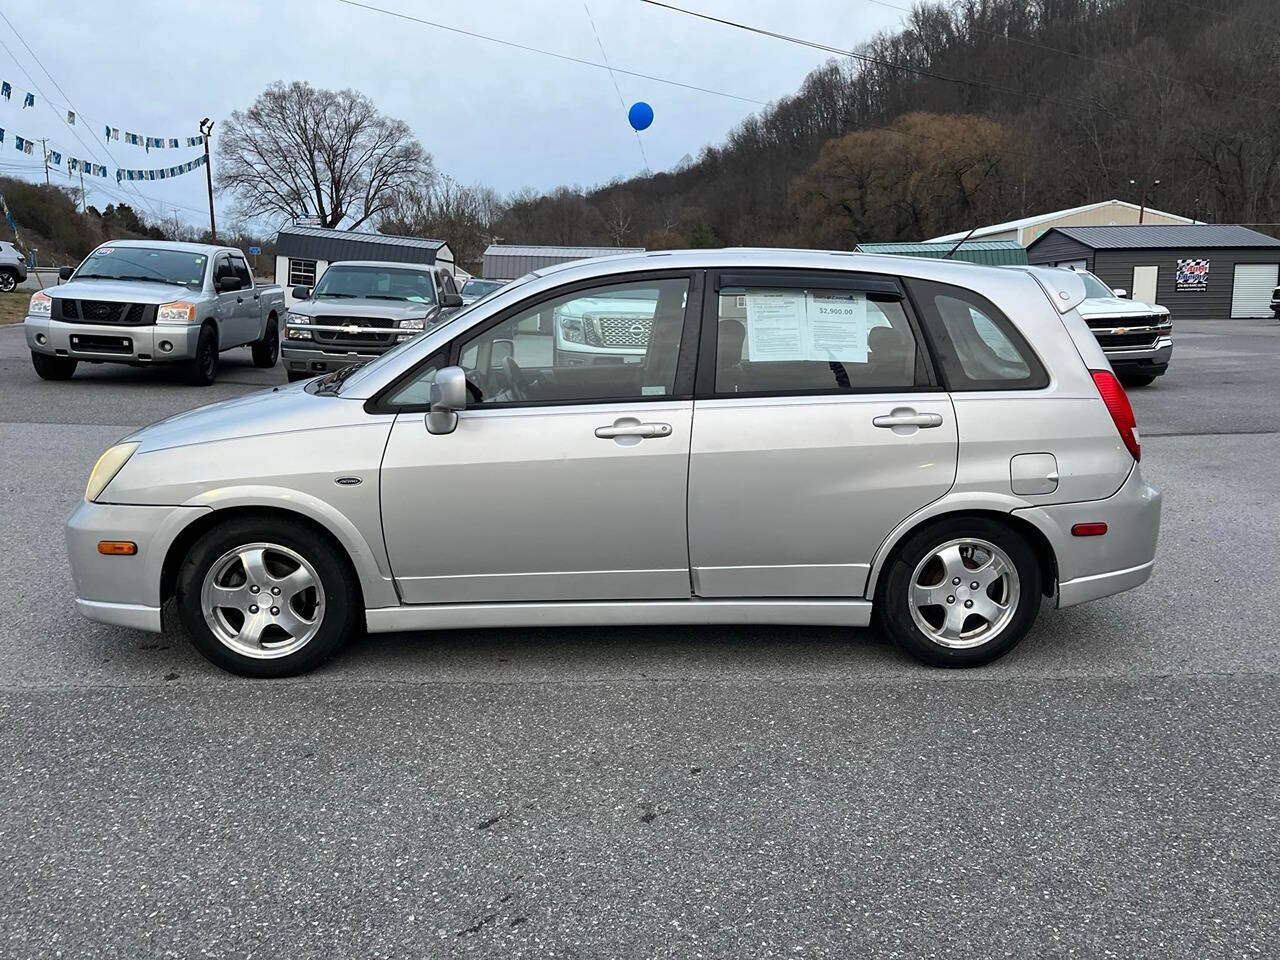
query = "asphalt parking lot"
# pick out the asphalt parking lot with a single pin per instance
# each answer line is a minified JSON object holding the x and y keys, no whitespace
{"x":1109,"y":789}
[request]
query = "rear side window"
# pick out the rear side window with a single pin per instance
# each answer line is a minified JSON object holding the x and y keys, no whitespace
{"x":978,"y":347}
{"x":788,"y":340}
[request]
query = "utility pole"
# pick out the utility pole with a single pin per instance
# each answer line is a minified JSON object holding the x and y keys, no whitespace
{"x":1142,"y":202}
{"x":44,"y":145}
{"x":206,"y":128}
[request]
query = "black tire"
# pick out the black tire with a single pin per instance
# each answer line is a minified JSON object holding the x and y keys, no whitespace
{"x":8,"y":281}
{"x":1137,"y":379}
{"x":296,"y":375}
{"x":50,"y":367}
{"x":202,"y":369}
{"x":267,"y":350}
{"x":342,"y":617}
{"x":893,"y":606}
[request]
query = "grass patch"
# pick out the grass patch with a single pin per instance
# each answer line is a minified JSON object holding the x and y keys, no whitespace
{"x":13,"y":306}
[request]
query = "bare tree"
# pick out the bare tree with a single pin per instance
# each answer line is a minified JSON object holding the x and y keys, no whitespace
{"x":300,"y":151}
{"x":441,"y":207}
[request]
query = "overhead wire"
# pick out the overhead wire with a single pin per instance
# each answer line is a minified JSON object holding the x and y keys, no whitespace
{"x":621,"y":100}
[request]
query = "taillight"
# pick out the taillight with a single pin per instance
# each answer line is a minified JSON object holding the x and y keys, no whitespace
{"x":1117,"y":402}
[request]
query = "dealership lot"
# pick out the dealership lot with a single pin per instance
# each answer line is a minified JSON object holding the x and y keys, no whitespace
{"x":1110,"y":786}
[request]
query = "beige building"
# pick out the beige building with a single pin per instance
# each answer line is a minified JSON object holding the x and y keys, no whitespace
{"x":1107,"y":213}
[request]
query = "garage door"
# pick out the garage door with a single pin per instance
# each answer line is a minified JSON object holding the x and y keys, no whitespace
{"x":1251,"y":291}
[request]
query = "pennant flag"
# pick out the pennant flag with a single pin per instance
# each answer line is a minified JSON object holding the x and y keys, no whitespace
{"x":18,"y":142}
{"x":6,"y":91}
{"x":1,"y":134}
{"x":71,"y":117}
{"x":173,"y":142}
{"x":28,"y":146}
{"x":56,"y":157}
{"x":119,"y":175}
{"x":106,"y":133}
{"x":29,"y":101}
{"x":115,"y":133}
{"x":150,"y":140}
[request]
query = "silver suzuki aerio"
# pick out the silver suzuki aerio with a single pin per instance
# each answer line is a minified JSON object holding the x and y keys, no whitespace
{"x":806,"y":437}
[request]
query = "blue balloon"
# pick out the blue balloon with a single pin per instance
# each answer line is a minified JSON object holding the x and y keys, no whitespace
{"x":640,"y":115}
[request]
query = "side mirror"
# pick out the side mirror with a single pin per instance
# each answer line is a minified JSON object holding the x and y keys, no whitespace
{"x":64,"y":273}
{"x":448,"y":396}
{"x":501,"y":352}
{"x":1120,"y":292}
{"x":227,"y":284}
{"x":450,"y":301}
{"x":302,"y":292}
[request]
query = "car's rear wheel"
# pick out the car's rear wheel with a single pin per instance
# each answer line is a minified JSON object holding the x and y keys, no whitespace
{"x":267,"y":597}
{"x":53,"y":368}
{"x":8,"y":281}
{"x":267,"y":350}
{"x":202,"y":369}
{"x":960,"y":593}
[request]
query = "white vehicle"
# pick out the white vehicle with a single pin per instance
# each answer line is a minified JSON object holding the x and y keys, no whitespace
{"x":13,"y":267}
{"x":1136,"y":337}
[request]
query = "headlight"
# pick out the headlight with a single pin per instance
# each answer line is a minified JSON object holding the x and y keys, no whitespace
{"x":291,"y":317}
{"x":413,"y":323}
{"x":179,"y":312}
{"x":40,"y":305}
{"x":105,"y":470}
{"x":571,"y":327}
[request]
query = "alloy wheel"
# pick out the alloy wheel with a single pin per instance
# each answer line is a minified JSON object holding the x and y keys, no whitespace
{"x":964,"y":593}
{"x":262,"y":600}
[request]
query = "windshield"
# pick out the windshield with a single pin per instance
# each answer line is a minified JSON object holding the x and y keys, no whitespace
{"x":376,"y":283}
{"x":376,"y":364}
{"x":1093,"y":287}
{"x":144,"y":263}
{"x":478,"y":288}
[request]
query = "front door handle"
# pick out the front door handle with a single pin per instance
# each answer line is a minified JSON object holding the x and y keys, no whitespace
{"x":908,"y":418}
{"x":633,"y":428}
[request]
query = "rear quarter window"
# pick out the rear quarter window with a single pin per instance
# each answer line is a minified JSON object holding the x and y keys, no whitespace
{"x":978,"y":347}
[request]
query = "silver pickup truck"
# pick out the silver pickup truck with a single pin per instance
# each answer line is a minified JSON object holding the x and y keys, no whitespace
{"x":143,"y":302}
{"x":360,"y":309}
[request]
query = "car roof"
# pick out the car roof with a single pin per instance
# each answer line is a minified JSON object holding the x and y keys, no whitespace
{"x":208,"y":249}
{"x":388,"y":264}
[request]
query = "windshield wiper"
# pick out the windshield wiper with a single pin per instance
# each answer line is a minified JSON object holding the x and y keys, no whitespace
{"x":146,"y":279}
{"x":382,"y":296}
{"x":333,"y":381}
{"x":349,"y":296}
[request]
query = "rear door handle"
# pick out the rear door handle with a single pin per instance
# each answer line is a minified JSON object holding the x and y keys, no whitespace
{"x":633,"y":430}
{"x":908,"y":419}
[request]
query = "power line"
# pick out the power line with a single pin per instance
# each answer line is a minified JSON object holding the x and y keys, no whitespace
{"x":878,"y":61}
{"x":549,"y":53}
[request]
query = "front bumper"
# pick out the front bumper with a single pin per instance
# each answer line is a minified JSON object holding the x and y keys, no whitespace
{"x":1150,"y":360}
{"x":317,"y":359}
{"x":124,"y":591}
{"x":1120,"y":559}
{"x":157,"y":343}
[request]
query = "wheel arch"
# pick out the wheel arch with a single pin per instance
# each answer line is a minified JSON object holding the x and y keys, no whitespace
{"x":1036,"y":538}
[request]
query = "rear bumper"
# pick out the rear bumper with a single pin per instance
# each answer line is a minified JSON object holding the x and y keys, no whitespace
{"x":1119,"y":560}
{"x":158,"y":343}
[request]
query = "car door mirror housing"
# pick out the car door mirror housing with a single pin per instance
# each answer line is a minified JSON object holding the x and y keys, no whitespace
{"x":450,"y":300}
{"x":64,"y":273}
{"x":1120,"y":292}
{"x":227,"y":284}
{"x":448,"y":396}
{"x":302,"y":292}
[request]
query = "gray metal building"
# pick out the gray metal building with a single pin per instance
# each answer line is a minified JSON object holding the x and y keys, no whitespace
{"x":303,"y":253}
{"x":1201,"y":271}
{"x":506,"y":262}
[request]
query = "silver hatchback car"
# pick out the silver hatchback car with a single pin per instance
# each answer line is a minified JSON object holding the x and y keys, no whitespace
{"x":806,"y":437}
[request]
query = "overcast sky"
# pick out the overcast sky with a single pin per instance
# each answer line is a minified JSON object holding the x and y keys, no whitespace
{"x":487,"y":113}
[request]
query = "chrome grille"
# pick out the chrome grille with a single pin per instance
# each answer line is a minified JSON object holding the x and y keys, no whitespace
{"x":1108,"y":323}
{"x":354,"y":339}
{"x":621,"y":330}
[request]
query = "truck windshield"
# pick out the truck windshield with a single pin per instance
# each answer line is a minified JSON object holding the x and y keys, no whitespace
{"x":376,"y":283}
{"x":154,"y":264}
{"x":1095,"y":288}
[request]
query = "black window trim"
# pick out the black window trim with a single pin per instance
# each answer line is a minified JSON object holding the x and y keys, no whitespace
{"x":878,"y":285}
{"x":451,"y":351}
{"x":1039,"y":378}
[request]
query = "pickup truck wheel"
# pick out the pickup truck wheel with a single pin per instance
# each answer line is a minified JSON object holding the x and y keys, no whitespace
{"x":1137,"y":380}
{"x":959,"y":593}
{"x":267,"y":597}
{"x":267,"y":350}
{"x":8,"y":281}
{"x":203,"y":369}
{"x":53,"y":368}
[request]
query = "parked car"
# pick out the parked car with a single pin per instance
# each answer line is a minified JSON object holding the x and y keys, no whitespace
{"x":1275,"y":302}
{"x":13,"y":267}
{"x":778,"y":455}
{"x":360,"y":309}
{"x":1136,"y":337}
{"x":474,"y":288}
{"x":144,"y":302}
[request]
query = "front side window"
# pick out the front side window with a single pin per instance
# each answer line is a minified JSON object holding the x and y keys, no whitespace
{"x":811,"y":340}
{"x":240,"y":269}
{"x":144,"y":263}
{"x":544,"y":355}
{"x":302,"y":273}
{"x":979,"y":348}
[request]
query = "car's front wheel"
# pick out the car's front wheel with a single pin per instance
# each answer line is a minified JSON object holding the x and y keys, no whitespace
{"x":267,"y":597}
{"x":960,"y":593}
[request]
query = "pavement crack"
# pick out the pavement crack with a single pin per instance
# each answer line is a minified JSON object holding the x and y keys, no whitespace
{"x":478,"y":925}
{"x":486,"y":824}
